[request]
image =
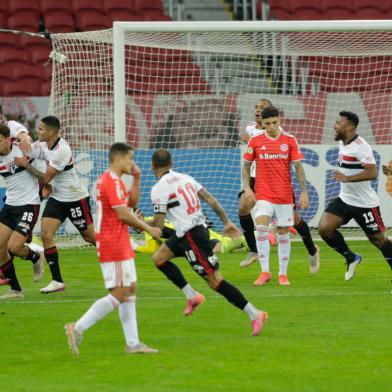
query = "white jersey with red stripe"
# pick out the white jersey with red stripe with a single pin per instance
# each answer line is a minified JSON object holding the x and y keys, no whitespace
{"x":352,"y":158}
{"x":16,"y":128}
{"x":252,"y":131}
{"x":22,"y":187}
{"x":176,"y":195}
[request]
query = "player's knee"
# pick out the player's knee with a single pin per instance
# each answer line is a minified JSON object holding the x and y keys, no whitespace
{"x":157,"y":259}
{"x":15,"y":248}
{"x":89,"y":237}
{"x":46,"y":236}
{"x":324,"y":230}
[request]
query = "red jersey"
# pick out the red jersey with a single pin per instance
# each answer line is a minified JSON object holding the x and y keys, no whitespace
{"x":113,"y":242}
{"x":273,"y":158}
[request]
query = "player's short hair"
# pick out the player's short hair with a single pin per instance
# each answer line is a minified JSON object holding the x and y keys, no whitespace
{"x":269,"y":112}
{"x":352,"y":117}
{"x":266,"y":100}
{"x":4,"y":130}
{"x":119,"y":148}
{"x":161,"y":158}
{"x":51,"y":122}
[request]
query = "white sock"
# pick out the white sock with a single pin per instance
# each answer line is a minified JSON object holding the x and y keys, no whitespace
{"x":252,"y":311}
{"x":97,"y":311}
{"x":189,"y":292}
{"x":284,"y":248}
{"x":263,"y":246}
{"x":127,"y":312}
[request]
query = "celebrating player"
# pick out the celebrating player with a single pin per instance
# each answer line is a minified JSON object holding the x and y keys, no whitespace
{"x":69,"y":198}
{"x":177,"y":196}
{"x":246,"y":205}
{"x":115,"y":251}
{"x":19,"y":213}
{"x":357,"y":199}
{"x":273,"y":151}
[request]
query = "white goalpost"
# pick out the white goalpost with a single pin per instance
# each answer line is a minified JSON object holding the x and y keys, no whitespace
{"x":192,"y":87}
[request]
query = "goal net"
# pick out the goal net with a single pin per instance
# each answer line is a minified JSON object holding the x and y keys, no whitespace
{"x":192,"y":88}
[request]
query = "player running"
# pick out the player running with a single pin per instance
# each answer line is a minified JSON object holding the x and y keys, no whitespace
{"x":176,"y":196}
{"x":357,"y":199}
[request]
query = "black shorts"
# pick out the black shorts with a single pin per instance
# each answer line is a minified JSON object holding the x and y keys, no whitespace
{"x":369,"y":219}
{"x":196,"y":247}
{"x":252,"y":186}
{"x":20,"y":218}
{"x":78,"y":212}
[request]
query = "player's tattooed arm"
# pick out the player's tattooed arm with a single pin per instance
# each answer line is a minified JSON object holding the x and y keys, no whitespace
{"x":45,"y":178}
{"x":300,"y":173}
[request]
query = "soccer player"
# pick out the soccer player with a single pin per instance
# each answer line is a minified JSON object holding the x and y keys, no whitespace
{"x":246,"y":205}
{"x":19,"y":213}
{"x":177,"y":196}
{"x":357,"y":199}
{"x":273,"y":151}
{"x":69,"y":198}
{"x":115,"y":252}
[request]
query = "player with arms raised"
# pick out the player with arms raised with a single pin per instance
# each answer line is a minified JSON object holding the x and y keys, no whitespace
{"x":357,"y":199}
{"x":177,"y":196}
{"x":115,"y":251}
{"x":273,"y":151}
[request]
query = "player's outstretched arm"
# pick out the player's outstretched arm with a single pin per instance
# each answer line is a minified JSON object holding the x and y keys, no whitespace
{"x":129,"y":218}
{"x":228,"y":226}
{"x":300,"y":173}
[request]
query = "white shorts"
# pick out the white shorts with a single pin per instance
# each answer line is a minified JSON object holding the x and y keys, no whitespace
{"x":118,"y":273}
{"x":282,"y":212}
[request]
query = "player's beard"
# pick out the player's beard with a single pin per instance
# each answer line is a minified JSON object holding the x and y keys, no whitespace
{"x":338,"y":137}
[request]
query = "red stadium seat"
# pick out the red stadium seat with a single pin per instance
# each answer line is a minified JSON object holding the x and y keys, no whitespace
{"x":22,"y":88}
{"x":3,"y":18}
{"x":87,"y":5}
{"x":370,"y":13}
{"x":370,"y":4}
{"x":5,"y":75}
{"x":280,"y":9}
{"x":9,"y":41}
{"x":338,"y":9}
{"x":24,"y":21}
{"x":93,"y":21}
{"x":28,"y":71}
{"x":14,"y":57}
{"x":59,"y":22}
{"x":46,"y":88}
{"x":16,"y":6}
{"x":34,"y":43}
{"x":56,"y":5}
{"x":47,"y":72}
{"x":305,"y":10}
{"x":120,"y":5}
{"x":40,"y":56}
{"x":125,"y":16}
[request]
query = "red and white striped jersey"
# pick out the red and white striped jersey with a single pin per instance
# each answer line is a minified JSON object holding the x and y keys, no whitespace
{"x":176,"y":195}
{"x":352,"y":158}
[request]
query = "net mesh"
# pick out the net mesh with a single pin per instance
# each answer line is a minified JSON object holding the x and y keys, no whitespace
{"x":195,"y":93}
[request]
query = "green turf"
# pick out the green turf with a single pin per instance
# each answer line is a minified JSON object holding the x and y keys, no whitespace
{"x":324,"y":334}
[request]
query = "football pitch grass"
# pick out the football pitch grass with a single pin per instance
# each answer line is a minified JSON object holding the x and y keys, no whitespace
{"x":323,"y":334}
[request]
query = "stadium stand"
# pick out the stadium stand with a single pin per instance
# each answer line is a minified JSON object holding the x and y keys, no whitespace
{"x":64,"y":16}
